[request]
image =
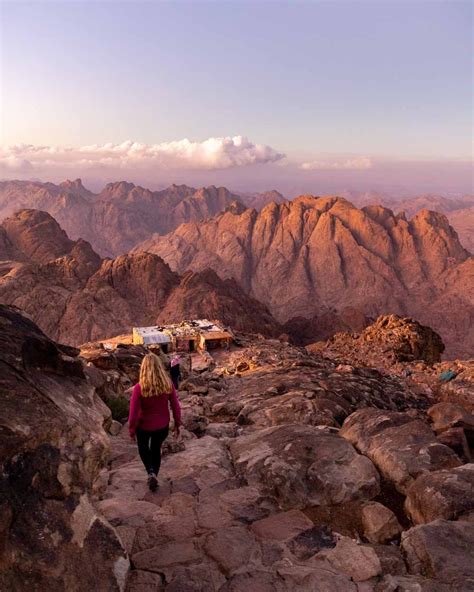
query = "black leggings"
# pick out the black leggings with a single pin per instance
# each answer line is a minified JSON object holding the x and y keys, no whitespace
{"x":149,"y":448}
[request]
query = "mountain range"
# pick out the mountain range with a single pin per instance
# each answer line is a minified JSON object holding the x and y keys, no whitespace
{"x":308,"y":267}
{"x":118,"y":217}
{"x":123,"y":214}
{"x":75,"y":296}
{"x":314,"y":254}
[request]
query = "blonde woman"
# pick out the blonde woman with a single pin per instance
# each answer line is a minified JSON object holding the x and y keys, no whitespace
{"x":149,"y":415}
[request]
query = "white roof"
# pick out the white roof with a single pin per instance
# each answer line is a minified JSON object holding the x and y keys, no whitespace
{"x":152,"y":335}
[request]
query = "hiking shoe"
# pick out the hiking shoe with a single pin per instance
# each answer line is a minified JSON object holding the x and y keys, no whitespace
{"x":152,"y":482}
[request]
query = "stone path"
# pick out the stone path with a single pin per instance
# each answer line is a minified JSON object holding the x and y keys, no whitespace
{"x":206,"y":529}
{"x":268,"y":493}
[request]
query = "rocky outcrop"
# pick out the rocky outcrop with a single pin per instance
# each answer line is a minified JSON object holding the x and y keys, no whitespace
{"x":401,"y":447}
{"x":75,"y":296}
{"x":303,"y":466}
{"x":389,"y":340}
{"x":52,"y":448}
{"x":116,"y":219}
{"x":315,"y":254}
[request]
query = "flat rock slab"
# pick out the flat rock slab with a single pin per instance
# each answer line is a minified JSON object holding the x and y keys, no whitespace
{"x":443,"y":494}
{"x":282,"y":527}
{"x":443,"y":550}
{"x":302,"y":466}
{"x":402,"y":448}
{"x":129,"y":512}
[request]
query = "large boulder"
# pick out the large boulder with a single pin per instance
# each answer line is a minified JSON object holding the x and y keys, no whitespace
{"x":406,"y":338}
{"x":402,"y":448}
{"x":302,"y":466}
{"x":443,"y":494}
{"x":52,"y":448}
{"x":442,"y":550}
{"x":391,"y":339}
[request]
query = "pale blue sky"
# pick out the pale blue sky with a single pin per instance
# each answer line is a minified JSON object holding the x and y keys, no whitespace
{"x":310,"y":79}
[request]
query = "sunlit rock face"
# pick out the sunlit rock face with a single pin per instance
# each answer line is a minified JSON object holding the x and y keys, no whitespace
{"x":318,"y":254}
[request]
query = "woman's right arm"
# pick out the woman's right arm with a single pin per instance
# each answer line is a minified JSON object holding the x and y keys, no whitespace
{"x":134,"y":414}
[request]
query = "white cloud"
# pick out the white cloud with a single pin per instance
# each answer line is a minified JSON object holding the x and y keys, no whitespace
{"x":358,"y":163}
{"x":213,"y":153}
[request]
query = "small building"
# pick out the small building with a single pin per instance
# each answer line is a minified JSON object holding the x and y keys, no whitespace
{"x":151,"y":336}
{"x":213,"y":335}
{"x":187,"y":336}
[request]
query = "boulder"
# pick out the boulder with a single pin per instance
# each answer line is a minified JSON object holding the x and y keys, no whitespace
{"x":52,"y":449}
{"x":380,"y":523}
{"x":454,"y":425}
{"x":359,"y":562}
{"x":442,"y":550}
{"x":447,"y":415}
{"x":442,"y":494}
{"x":456,"y":439}
{"x":401,"y":447}
{"x":114,"y":428}
{"x":302,"y":466}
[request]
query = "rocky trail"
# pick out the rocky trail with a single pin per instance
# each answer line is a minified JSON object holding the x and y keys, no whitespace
{"x":267,"y":492}
{"x":296,"y":471}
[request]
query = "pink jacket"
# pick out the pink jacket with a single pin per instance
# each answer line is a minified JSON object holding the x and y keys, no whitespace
{"x":152,"y":413}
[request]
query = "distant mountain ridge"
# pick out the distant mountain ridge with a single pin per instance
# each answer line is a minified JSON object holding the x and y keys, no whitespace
{"x":124,"y":214}
{"x":118,"y":217}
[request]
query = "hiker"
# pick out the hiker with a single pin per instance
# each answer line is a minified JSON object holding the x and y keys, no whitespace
{"x":149,"y":416}
{"x":164,"y":358}
{"x":175,"y":371}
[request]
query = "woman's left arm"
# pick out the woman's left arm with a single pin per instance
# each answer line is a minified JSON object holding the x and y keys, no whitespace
{"x":175,"y":408}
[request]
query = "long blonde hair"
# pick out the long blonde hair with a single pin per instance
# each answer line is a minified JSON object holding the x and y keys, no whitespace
{"x":154,"y":379}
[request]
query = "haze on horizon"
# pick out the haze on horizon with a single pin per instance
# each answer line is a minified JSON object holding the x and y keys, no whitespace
{"x":308,"y":96}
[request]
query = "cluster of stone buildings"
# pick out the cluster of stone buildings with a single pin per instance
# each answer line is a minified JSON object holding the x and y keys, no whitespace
{"x":187,"y":336}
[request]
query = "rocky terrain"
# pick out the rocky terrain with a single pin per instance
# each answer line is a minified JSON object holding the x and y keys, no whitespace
{"x":297,"y":472}
{"x":294,"y":472}
{"x":75,"y":296}
{"x":316,"y":254}
{"x":52,"y":449}
{"x":121,"y":215}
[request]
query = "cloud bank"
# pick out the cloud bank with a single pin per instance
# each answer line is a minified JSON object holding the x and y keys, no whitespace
{"x":210,"y":154}
{"x":352,"y":164}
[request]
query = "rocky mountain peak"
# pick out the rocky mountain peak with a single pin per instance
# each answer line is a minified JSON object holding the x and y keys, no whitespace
{"x":37,"y":235}
{"x":77,"y":188}
{"x":117,"y":189}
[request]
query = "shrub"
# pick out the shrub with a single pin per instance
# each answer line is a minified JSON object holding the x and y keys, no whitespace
{"x":119,"y":407}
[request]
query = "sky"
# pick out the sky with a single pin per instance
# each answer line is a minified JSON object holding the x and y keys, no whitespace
{"x":299,"y":96}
